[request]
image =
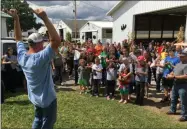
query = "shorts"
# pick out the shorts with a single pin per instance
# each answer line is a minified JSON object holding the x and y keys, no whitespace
{"x":124,"y":90}
{"x":167,"y":83}
{"x":82,"y":82}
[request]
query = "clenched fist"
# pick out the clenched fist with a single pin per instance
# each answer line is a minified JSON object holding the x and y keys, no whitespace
{"x":12,"y":12}
{"x":40,"y":13}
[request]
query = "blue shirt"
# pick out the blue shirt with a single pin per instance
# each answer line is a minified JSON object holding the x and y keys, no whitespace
{"x":168,"y":68}
{"x":38,"y":73}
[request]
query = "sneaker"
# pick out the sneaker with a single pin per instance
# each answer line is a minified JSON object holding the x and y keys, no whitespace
{"x":108,"y":97}
{"x":125,"y":102}
{"x":113,"y":98}
{"x":80,"y":93}
{"x":121,"y":101}
{"x":170,"y":113}
{"x":182,"y":119}
{"x":97,"y":96}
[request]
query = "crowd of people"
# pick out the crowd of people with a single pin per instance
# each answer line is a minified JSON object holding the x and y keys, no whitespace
{"x":128,"y":67}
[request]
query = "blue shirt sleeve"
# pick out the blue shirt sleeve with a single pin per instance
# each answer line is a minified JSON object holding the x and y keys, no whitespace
{"x":21,"y":50}
{"x":47,"y":54}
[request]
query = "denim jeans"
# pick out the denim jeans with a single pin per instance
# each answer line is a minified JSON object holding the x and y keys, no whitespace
{"x":45,"y":118}
{"x":179,"y":90}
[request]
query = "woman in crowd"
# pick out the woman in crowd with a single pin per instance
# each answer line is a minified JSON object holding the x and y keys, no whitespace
{"x":10,"y":62}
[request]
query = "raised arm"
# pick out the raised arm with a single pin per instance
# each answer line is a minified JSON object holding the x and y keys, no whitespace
{"x":53,"y":35}
{"x":17,"y":28}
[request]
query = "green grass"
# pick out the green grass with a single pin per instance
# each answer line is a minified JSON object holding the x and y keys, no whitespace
{"x":81,"y":111}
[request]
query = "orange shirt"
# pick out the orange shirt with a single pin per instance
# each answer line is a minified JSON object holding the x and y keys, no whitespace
{"x":98,"y":49}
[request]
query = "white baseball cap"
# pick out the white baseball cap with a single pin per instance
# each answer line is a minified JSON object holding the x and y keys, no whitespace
{"x":184,"y":52}
{"x":35,"y":38}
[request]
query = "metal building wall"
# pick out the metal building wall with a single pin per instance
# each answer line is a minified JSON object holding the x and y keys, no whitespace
{"x":125,"y":14}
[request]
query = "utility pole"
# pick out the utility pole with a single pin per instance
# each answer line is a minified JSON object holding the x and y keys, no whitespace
{"x":75,"y":20}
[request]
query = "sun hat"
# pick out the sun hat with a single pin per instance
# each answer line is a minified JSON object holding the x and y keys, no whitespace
{"x":35,"y":38}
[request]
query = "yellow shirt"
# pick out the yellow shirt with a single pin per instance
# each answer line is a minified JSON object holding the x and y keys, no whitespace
{"x":163,"y":55}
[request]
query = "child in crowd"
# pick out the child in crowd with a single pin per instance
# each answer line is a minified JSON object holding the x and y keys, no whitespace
{"x":124,"y":80}
{"x":97,"y":76}
{"x":83,"y":76}
{"x":141,"y":72}
{"x":111,"y":80}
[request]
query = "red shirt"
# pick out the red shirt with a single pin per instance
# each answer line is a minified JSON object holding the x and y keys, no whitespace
{"x":160,"y":50}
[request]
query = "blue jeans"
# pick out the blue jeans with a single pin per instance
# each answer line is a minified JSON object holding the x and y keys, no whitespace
{"x":45,"y":118}
{"x":179,"y":90}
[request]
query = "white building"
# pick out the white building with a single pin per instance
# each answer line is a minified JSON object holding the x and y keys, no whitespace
{"x":4,"y":32}
{"x":65,"y":26}
{"x":24,"y":33}
{"x":96,"y":30}
{"x":148,"y":20}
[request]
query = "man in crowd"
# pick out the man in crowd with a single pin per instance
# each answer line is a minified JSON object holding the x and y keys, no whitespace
{"x":36,"y":65}
{"x":170,"y":62}
{"x":180,"y":86}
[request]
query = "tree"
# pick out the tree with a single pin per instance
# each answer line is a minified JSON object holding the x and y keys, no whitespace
{"x":68,"y":36}
{"x":26,"y":16}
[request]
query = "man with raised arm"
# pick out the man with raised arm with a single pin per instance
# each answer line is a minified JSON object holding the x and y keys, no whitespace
{"x":36,"y":64}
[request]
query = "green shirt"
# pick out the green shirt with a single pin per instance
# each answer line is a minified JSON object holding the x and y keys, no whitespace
{"x":103,"y":59}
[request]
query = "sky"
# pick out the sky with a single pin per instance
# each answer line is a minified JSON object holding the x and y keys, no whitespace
{"x":88,"y":10}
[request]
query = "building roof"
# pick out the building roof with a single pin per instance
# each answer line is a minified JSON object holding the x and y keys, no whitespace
{"x":71,"y":24}
{"x":102,"y":24}
{"x":110,"y":12}
{"x":4,"y":15}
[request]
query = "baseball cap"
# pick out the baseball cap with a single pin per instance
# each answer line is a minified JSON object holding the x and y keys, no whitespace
{"x":141,"y":58}
{"x":184,"y":52}
{"x":35,"y":38}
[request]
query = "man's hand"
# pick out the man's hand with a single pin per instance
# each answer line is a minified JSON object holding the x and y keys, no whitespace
{"x":40,"y":13}
{"x":12,"y":12}
{"x":170,"y":76}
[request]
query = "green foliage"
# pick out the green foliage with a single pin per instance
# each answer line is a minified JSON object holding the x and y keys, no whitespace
{"x":68,"y":36}
{"x":27,"y":19}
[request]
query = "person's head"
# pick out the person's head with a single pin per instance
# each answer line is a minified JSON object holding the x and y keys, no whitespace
{"x":9,"y":51}
{"x":111,"y":65}
{"x":171,"y":51}
{"x":125,"y":70}
{"x":82,"y":62}
{"x":104,"y":49}
{"x":97,"y":60}
{"x":125,"y":61}
{"x":183,"y":55}
{"x":178,"y":48}
{"x":35,"y":42}
{"x":141,"y":60}
{"x":125,"y":51}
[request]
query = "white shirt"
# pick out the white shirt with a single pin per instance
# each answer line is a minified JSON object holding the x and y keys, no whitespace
{"x":159,"y":69}
{"x":77,"y":55}
{"x":97,"y":68}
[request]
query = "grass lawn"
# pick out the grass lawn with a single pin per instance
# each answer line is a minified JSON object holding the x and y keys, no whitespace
{"x":82,"y":111}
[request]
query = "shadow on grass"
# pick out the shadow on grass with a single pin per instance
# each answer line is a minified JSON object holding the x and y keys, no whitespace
{"x":17,"y":93}
{"x":20,"y":102}
{"x":64,"y":89}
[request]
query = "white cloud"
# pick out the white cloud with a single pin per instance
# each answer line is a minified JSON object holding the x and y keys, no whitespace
{"x":90,"y":10}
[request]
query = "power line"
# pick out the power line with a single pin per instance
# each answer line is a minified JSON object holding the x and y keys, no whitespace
{"x":94,"y":6}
